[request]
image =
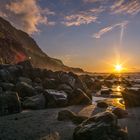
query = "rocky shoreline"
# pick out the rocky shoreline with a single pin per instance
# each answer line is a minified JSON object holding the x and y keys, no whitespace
{"x":46,"y":103}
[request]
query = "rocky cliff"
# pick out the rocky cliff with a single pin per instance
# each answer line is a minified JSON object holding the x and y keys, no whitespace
{"x":16,"y":46}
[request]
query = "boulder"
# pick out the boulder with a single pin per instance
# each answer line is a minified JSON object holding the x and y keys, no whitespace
{"x":50,"y":83}
{"x":87,"y":80}
{"x":120,"y":113}
{"x":35,"y":102}
{"x":102,"y":104}
{"x":5,"y":75}
{"x":66,"y":88}
{"x":25,"y":80}
{"x":131,"y":97}
{"x":78,"y":97}
{"x":102,"y":126}
{"x":55,"y":98}
{"x":7,"y":86}
{"x":25,"y":90}
{"x":65,"y":78}
{"x":9,"y":103}
{"x":15,"y":71}
{"x":67,"y":115}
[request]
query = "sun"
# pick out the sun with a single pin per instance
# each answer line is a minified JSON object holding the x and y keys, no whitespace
{"x":118,"y":67}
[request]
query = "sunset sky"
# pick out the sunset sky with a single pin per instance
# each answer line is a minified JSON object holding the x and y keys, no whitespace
{"x":91,"y":34}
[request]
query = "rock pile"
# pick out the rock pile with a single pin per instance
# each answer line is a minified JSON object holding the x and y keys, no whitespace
{"x":25,"y":87}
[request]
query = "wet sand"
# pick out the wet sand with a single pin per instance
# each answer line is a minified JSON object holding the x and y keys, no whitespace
{"x":34,"y":125}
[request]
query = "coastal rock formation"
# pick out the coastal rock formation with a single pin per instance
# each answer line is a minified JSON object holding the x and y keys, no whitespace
{"x":102,"y":126}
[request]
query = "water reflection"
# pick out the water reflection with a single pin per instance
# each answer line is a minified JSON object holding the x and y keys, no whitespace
{"x":114,"y":99}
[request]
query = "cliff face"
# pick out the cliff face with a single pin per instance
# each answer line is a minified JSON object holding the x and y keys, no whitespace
{"x":16,"y":46}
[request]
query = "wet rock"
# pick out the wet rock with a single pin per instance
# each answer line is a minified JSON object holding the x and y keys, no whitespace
{"x":1,"y":91}
{"x":55,"y":98}
{"x":102,"y":104}
{"x":37,"y":80}
{"x":120,"y":113}
{"x":50,"y":83}
{"x":67,"y":115}
{"x":15,"y":71}
{"x":78,"y":97}
{"x":35,"y":102}
{"x":65,"y":88}
{"x":105,"y":92}
{"x":39,"y":89}
{"x":7,"y":86}
{"x":65,"y":78}
{"x":5,"y":75}
{"x":25,"y":79}
{"x":9,"y":103}
{"x":102,"y":126}
{"x":131,"y":97}
{"x":87,"y":80}
{"x":25,"y":90}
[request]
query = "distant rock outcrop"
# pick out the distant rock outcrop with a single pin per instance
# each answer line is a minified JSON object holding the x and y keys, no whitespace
{"x":16,"y":46}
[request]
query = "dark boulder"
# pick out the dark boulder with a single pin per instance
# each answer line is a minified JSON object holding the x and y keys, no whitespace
{"x":25,"y":90}
{"x":25,"y":80}
{"x":9,"y":103}
{"x":7,"y":86}
{"x":55,"y":98}
{"x":65,"y":78}
{"x":15,"y":71}
{"x":120,"y":113}
{"x":67,"y":115}
{"x":50,"y":83}
{"x":35,"y":102}
{"x":102,"y":126}
{"x":78,"y":97}
{"x":5,"y":76}
{"x":131,"y":97}
{"x":102,"y":104}
{"x":66,"y":88}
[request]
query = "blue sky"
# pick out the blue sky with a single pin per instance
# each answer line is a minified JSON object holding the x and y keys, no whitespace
{"x":91,"y":34}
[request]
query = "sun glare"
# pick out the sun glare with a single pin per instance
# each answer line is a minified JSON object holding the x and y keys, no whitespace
{"x":118,"y":67}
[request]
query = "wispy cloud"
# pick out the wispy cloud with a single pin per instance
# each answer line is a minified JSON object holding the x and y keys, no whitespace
{"x":82,"y":17}
{"x":131,"y":7}
{"x":109,"y":28}
{"x":26,"y":14}
{"x":92,"y":1}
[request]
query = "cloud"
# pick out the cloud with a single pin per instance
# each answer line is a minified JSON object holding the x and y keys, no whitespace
{"x":131,"y":7}
{"x":82,"y":17}
{"x":91,"y":1}
{"x":27,"y":15}
{"x":109,"y":28}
